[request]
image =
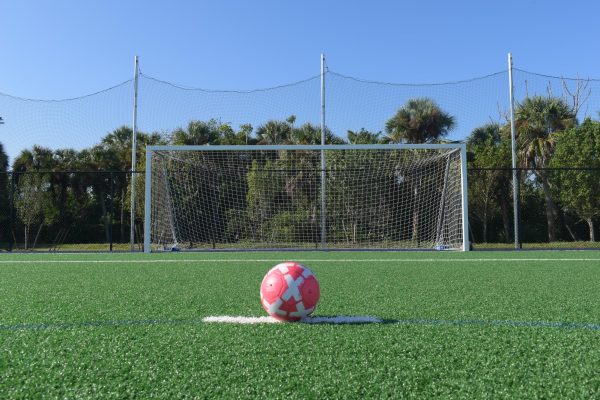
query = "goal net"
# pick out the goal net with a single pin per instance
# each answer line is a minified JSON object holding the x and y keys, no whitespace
{"x":305,"y":197}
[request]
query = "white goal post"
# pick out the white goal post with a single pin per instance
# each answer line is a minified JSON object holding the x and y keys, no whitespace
{"x":393,"y":196}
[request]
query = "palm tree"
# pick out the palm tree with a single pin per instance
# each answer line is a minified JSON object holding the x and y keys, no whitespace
{"x":3,"y":159}
{"x":488,"y":147}
{"x":311,"y":134}
{"x":364,"y":137}
{"x":119,"y":141}
{"x":538,"y":119}
{"x":4,"y":196}
{"x":197,"y":133}
{"x":274,"y":132}
{"x":37,"y":159}
{"x":420,"y":120}
{"x":100,"y":159}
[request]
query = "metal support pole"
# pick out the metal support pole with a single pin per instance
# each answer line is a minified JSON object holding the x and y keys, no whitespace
{"x":514,"y":156}
{"x":323,"y":163}
{"x":147,"y":205}
{"x":133,"y":153}
{"x":11,"y":212}
{"x":466,"y":245}
{"x":112,"y":211}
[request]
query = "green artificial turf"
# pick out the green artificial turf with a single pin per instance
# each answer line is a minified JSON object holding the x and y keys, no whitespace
{"x":462,"y":325}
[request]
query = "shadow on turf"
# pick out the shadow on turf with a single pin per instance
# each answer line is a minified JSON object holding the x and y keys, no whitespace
{"x":325,"y":321}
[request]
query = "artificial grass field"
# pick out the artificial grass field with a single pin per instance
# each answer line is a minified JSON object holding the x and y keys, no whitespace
{"x":461,"y":325}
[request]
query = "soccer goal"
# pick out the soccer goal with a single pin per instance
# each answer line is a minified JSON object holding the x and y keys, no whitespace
{"x":306,"y":197}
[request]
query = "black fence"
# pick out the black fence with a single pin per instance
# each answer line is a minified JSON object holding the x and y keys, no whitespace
{"x":558,"y":208}
{"x":68,"y":211}
{"x":90,"y":211}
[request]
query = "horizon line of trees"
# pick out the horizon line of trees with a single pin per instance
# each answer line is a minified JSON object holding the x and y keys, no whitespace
{"x":555,"y":204}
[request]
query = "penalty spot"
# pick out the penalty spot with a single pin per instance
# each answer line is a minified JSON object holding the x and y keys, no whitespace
{"x":351,"y":319}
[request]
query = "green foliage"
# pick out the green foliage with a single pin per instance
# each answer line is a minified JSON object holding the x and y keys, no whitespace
{"x":311,"y":134}
{"x":420,"y":120}
{"x":284,"y":132}
{"x":295,"y":226}
{"x":274,"y":132}
{"x":4,"y":196}
{"x":211,"y":132}
{"x":3,"y":159}
{"x":537,"y":120}
{"x":91,"y":202}
{"x":230,"y":137}
{"x":32,"y":203}
{"x":270,"y":219}
{"x":197,"y":133}
{"x":261,"y":198}
{"x":489,"y":147}
{"x":579,"y":191}
{"x":363,"y":136}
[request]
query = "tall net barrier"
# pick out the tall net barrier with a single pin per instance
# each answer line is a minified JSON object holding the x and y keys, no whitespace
{"x":388,"y":198}
{"x":93,"y":133}
{"x":351,"y":104}
{"x":558,"y":148}
{"x":566,"y":216}
{"x":168,"y":108}
{"x":354,"y":104}
{"x":581,"y":94}
{"x":76,"y":123}
{"x":66,"y":211}
{"x":55,"y":191}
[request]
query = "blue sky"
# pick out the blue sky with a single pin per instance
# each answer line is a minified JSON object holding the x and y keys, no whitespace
{"x":61,"y":49}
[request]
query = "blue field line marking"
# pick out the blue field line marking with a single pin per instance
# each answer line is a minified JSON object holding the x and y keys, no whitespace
{"x":507,"y":323}
{"x":96,"y":324}
{"x":440,"y":322}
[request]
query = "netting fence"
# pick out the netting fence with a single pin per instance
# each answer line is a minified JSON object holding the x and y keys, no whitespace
{"x":67,"y":211}
{"x":83,"y":139}
{"x":84,"y":211}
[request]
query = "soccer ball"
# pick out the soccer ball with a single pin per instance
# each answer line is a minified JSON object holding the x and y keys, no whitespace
{"x":289,"y":292}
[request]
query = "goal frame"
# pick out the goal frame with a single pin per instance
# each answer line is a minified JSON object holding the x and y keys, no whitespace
{"x":456,"y":146}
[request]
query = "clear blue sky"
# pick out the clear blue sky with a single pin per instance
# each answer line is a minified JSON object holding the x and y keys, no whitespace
{"x":57,"y":49}
{"x":66,"y":48}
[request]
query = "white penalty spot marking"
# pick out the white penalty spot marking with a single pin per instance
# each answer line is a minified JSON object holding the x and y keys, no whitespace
{"x":240,"y":320}
{"x":351,"y":319}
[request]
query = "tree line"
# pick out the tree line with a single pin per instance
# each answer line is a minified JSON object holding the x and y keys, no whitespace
{"x":45,"y":193}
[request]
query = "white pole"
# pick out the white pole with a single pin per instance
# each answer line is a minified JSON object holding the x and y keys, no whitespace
{"x":465,"y":202}
{"x":514,"y":155}
{"x":323,"y":163}
{"x":147,"y":204}
{"x":133,"y":153}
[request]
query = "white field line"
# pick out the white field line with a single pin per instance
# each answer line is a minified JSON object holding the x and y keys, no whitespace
{"x":352,"y":319}
{"x":240,"y":320}
{"x":307,"y":260}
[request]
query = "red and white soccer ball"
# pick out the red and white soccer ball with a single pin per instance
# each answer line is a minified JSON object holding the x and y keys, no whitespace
{"x":289,"y":292}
